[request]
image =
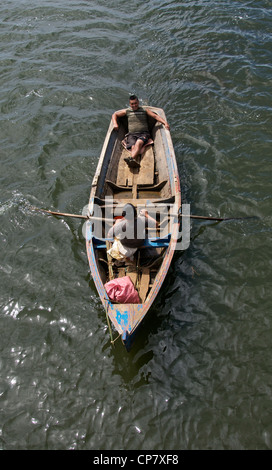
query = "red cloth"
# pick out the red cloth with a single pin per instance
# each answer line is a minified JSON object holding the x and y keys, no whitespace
{"x":122,"y":290}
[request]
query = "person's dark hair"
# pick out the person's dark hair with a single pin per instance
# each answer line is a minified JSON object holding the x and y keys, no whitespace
{"x":129,"y":212}
{"x":133,"y":97}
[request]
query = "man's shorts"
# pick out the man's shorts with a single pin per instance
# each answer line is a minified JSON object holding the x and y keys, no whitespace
{"x":131,"y":139}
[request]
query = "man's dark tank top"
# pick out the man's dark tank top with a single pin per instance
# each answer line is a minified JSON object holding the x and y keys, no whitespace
{"x":137,"y":120}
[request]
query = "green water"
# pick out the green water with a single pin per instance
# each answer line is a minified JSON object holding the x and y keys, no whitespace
{"x":199,"y":374}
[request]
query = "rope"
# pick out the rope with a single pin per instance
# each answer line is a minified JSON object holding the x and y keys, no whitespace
{"x":109,"y":325}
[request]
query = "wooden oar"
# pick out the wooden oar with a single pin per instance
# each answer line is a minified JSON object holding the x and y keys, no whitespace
{"x":87,"y":217}
{"x":218,"y":219}
{"x":64,"y":214}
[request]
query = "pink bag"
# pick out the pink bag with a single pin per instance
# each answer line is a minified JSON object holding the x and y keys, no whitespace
{"x":122,"y":290}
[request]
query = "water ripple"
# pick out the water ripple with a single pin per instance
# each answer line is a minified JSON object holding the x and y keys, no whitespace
{"x":198,"y":376}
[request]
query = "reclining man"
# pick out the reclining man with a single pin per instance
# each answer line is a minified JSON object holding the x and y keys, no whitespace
{"x":138,"y":132}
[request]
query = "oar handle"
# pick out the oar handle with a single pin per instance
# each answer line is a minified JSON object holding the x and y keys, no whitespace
{"x":64,"y":214}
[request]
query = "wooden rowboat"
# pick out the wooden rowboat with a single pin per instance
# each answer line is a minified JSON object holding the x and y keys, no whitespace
{"x":154,"y":186}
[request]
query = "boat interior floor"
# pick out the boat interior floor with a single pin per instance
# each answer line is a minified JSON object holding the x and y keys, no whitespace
{"x":139,"y":186}
{"x":142,"y":270}
{"x":143,"y":175}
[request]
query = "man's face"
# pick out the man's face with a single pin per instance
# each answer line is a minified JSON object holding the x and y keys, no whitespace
{"x":134,"y":104}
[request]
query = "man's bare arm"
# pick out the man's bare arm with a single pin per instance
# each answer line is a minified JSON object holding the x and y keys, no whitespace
{"x":158,"y":118}
{"x":115,"y":116}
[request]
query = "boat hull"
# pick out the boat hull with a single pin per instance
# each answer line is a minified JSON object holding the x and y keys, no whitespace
{"x":126,"y":318}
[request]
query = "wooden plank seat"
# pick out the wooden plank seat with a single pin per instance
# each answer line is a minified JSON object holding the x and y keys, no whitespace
{"x":101,"y":243}
{"x":136,"y":202}
{"x":140,"y":184}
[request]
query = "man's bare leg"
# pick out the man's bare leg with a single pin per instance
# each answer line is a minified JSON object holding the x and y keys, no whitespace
{"x":136,"y":149}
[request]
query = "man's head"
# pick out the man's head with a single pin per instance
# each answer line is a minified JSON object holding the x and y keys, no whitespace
{"x":133,"y":102}
{"x":129,"y":212}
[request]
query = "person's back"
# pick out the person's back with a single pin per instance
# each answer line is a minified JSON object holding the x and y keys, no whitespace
{"x":131,"y":231}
